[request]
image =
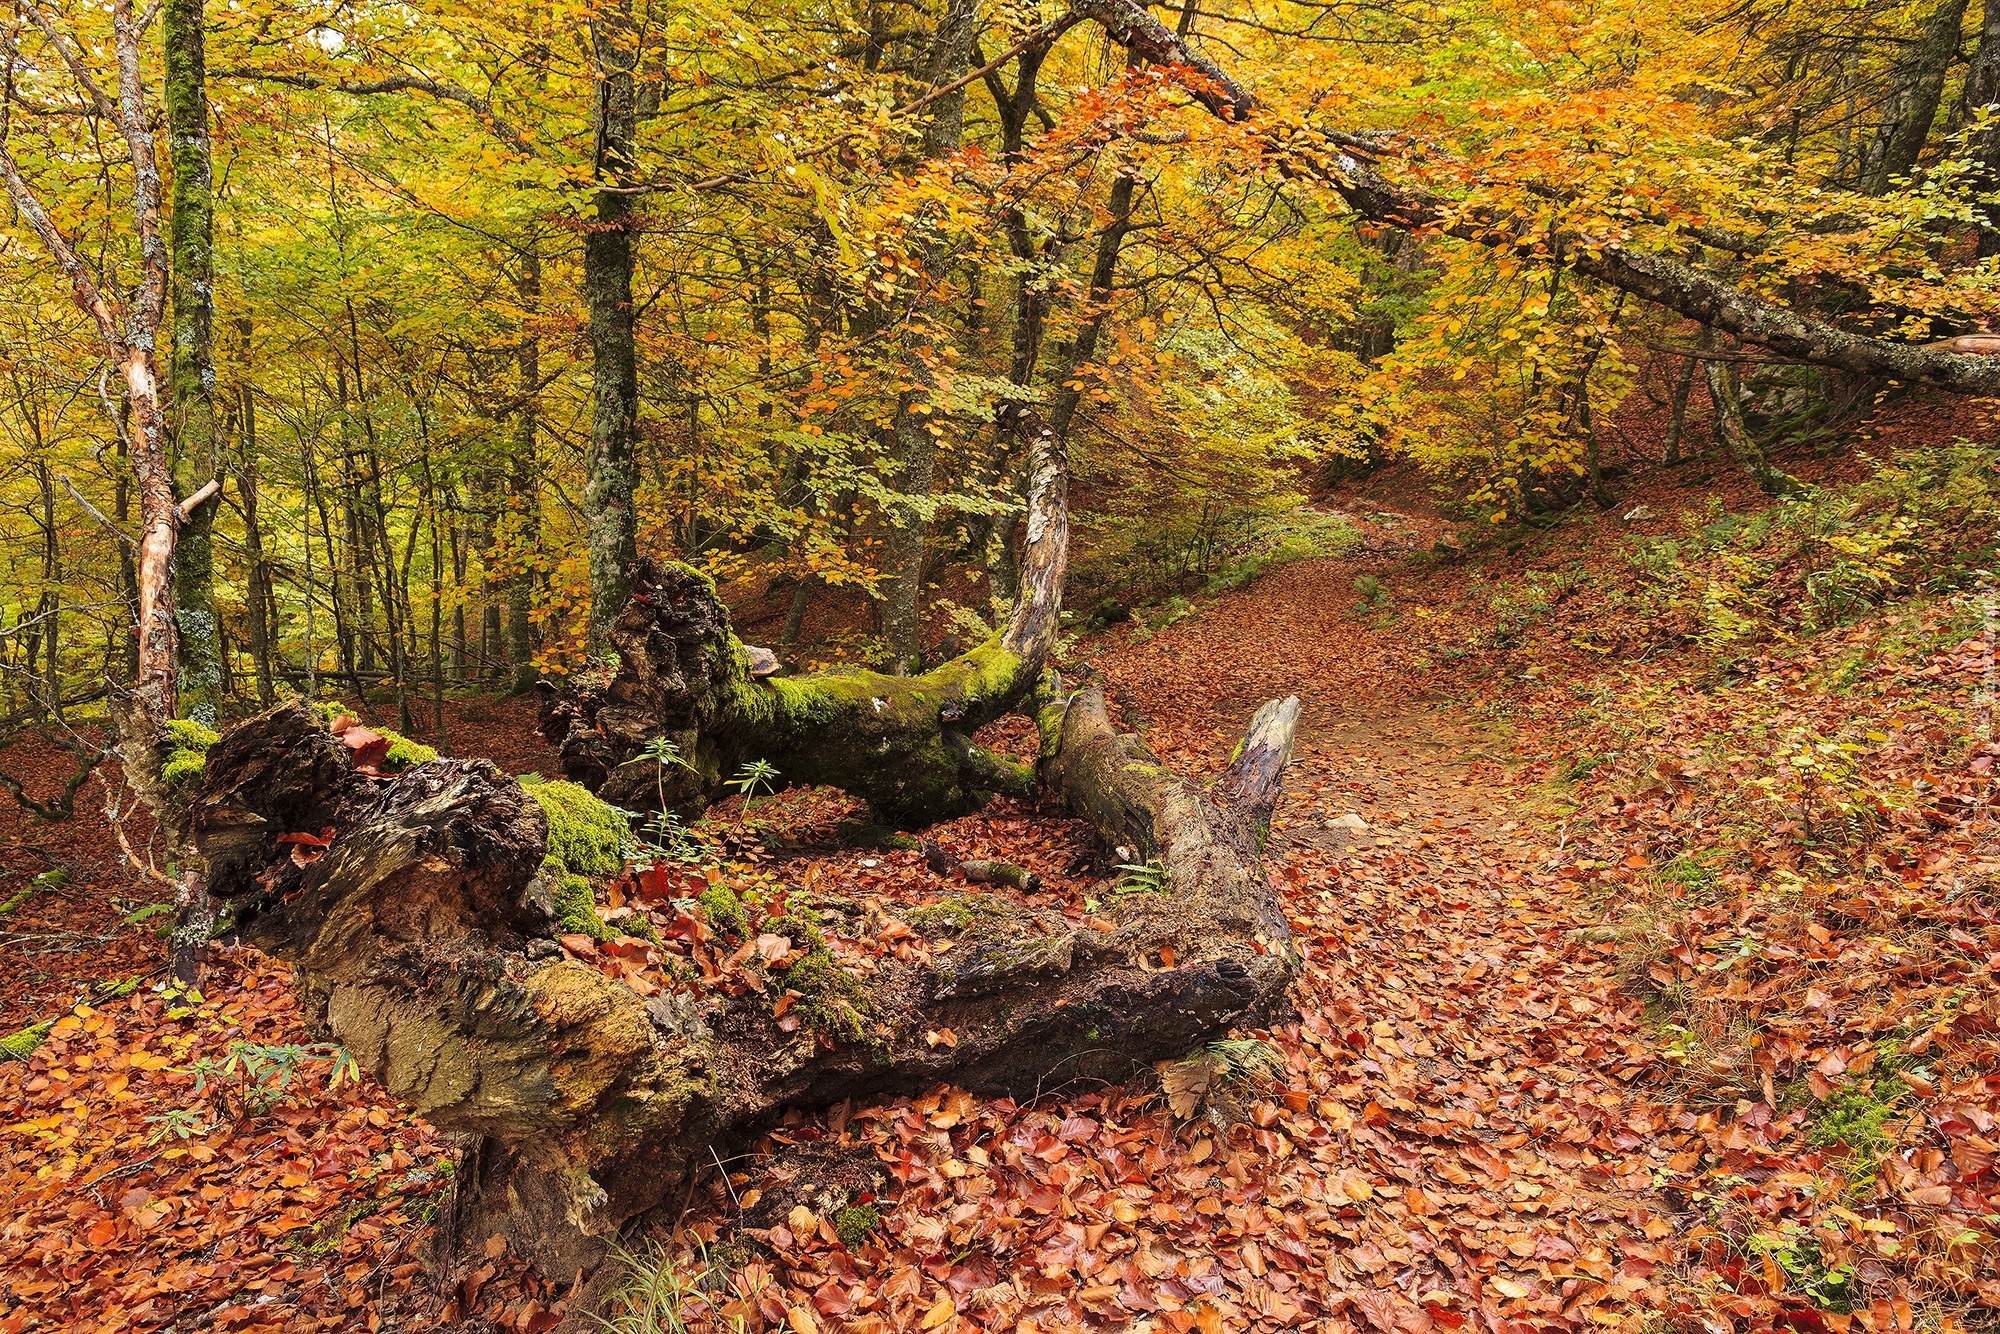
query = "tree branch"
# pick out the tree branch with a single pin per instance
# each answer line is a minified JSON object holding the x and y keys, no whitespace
{"x":395,"y":83}
{"x":1683,"y":288}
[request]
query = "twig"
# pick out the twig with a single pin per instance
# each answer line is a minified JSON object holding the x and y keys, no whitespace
{"x":94,"y":513}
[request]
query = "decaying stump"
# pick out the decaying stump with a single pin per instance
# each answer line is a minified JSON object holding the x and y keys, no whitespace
{"x":420,"y":921}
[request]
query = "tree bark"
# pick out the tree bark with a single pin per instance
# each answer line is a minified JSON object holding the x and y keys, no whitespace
{"x":1982,"y":90}
{"x":1725,"y":391}
{"x":1913,"y":101}
{"x":608,"y":498}
{"x":914,"y":426}
{"x":1677,"y":412}
{"x":191,"y":368}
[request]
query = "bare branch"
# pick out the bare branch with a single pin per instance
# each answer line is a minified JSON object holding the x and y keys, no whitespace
{"x":395,"y":83}
{"x":74,"y":59}
{"x":97,"y":514}
{"x":83,"y":288}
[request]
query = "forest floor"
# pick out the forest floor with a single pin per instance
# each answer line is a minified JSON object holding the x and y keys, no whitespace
{"x":1590,"y":1032}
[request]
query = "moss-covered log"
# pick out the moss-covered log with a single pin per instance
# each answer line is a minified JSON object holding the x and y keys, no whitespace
{"x":683,"y":711}
{"x":420,"y":912}
{"x":898,"y":742}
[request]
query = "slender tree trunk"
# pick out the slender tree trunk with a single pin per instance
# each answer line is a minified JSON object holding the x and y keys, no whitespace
{"x":1677,"y":418}
{"x":1725,"y":390}
{"x":608,"y":497}
{"x":253,"y":555}
{"x":915,"y":426}
{"x":1913,"y":104}
{"x":191,"y":371}
{"x":1982,"y":89}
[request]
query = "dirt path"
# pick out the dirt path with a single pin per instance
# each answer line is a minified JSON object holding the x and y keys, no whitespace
{"x":1468,"y":1057}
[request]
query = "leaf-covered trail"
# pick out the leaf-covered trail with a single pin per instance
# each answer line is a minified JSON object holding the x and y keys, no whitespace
{"x":1469,"y":1054}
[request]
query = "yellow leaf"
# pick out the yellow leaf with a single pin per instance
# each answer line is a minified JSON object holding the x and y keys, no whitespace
{"x":940,"y":1313}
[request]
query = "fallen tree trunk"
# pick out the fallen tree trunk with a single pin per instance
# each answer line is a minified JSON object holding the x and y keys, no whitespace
{"x":420,"y":917}
{"x":901,"y":743}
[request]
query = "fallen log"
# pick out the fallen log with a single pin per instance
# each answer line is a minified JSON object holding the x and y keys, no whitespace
{"x":684,"y":710}
{"x":419,"y":914}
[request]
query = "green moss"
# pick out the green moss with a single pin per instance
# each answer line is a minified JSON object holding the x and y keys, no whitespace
{"x":576,"y":909}
{"x":187,"y":755}
{"x":958,"y":914}
{"x":863,"y":834}
{"x":20,"y":1046}
{"x":586,"y":836}
{"x":832,"y":998}
{"x":402,"y":754}
{"x":725,"y":912}
{"x":405,"y":753}
{"x":853,"y":1224}
{"x":1857,"y":1120}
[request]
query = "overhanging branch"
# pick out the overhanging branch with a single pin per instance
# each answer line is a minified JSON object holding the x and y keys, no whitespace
{"x":1684,"y":288}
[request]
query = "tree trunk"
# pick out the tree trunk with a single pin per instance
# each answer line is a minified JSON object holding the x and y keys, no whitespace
{"x":914,"y":427}
{"x":608,"y":499}
{"x":1913,"y":102}
{"x":1726,"y":393}
{"x":423,"y":940}
{"x":1982,"y":89}
{"x":1677,"y":416}
{"x":524,"y":497}
{"x":191,"y":370}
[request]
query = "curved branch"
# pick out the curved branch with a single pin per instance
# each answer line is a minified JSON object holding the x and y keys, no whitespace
{"x":1686,"y":289}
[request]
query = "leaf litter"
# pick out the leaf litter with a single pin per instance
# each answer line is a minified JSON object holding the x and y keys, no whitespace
{"x":1639,"y":990}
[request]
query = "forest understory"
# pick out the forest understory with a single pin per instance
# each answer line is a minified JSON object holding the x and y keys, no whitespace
{"x":1649,"y":982}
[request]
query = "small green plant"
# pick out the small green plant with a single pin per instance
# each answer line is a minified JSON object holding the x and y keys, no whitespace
{"x":751,"y":775}
{"x":178,"y":1122}
{"x":658,"y":1290}
{"x":264,"y":1073}
{"x":1209,"y":1080}
{"x":664,"y":753}
{"x":1373,"y":592}
{"x":1149,"y":877}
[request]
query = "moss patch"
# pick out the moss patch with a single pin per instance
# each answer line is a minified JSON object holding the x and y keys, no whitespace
{"x":405,"y":753}
{"x":831,"y":997}
{"x":576,"y":909}
{"x":958,"y":914}
{"x":725,"y":911}
{"x":586,"y":836}
{"x":187,"y":755}
{"x":23,"y":1044}
{"x":853,"y":1224}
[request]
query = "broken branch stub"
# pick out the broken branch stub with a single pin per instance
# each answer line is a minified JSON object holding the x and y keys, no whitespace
{"x":420,"y":921}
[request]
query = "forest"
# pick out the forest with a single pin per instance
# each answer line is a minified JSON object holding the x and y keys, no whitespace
{"x":952,"y":665}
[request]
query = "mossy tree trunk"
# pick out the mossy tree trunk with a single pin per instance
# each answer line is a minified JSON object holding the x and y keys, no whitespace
{"x":898,"y":742}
